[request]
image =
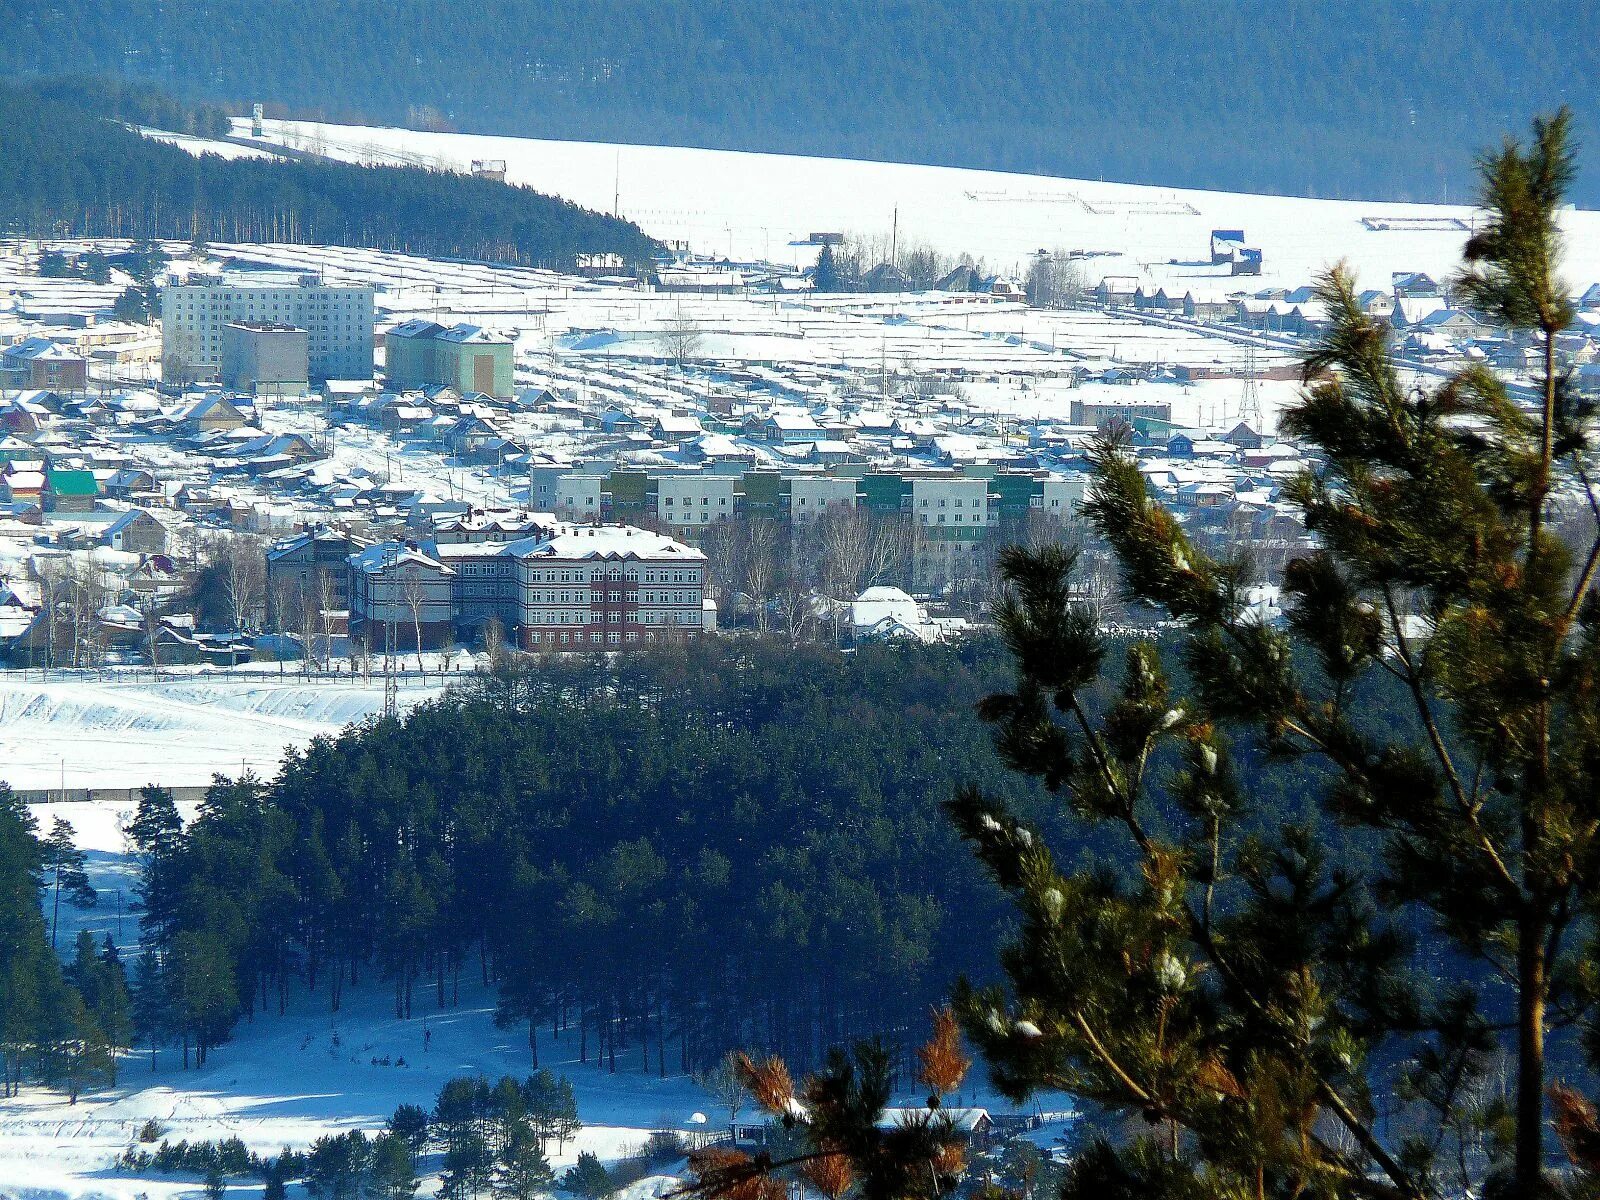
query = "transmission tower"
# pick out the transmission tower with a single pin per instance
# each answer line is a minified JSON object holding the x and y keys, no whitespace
{"x":1249,"y":393}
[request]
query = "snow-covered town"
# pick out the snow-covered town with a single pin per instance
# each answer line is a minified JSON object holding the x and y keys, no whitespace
{"x":424,"y":432}
{"x":254,"y":494}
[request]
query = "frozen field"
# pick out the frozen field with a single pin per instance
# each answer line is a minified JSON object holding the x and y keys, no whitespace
{"x":754,"y":205}
{"x":177,"y":731}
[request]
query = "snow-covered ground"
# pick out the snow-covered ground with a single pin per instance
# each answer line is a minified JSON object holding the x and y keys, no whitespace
{"x":747,"y":205}
{"x":285,"y":1081}
{"x":176,"y":730}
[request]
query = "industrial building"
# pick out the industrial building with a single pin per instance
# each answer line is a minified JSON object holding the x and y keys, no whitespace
{"x":195,"y":313}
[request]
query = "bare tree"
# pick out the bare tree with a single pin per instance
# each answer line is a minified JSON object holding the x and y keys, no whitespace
{"x":327,"y":610}
{"x":494,"y":642}
{"x":683,"y":338}
{"x":725,"y":1084}
{"x":722,"y":544}
{"x":308,"y":630}
{"x":1055,"y":281}
{"x":52,"y":592}
{"x":152,"y":627}
{"x":845,"y":536}
{"x":243,"y":569}
{"x":415,"y":592}
{"x":760,"y":565}
{"x":890,"y":548}
{"x":283,"y":596}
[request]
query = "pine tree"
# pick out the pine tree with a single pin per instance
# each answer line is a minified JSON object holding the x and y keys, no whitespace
{"x":64,"y":863}
{"x":521,"y":1170}
{"x":587,"y":1178}
{"x":826,"y":277}
{"x":394,"y":1174}
{"x":1245,"y":991}
{"x":1310,"y":999}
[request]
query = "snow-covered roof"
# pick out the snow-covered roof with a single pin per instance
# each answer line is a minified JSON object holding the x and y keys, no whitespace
{"x":570,"y":541}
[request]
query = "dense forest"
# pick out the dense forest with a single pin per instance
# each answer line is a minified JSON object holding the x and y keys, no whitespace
{"x":664,"y":856}
{"x":1286,"y":96}
{"x":676,"y":853}
{"x":67,"y":168}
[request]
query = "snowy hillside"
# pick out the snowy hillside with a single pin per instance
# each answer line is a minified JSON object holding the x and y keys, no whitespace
{"x":754,"y":205}
{"x":175,"y":731}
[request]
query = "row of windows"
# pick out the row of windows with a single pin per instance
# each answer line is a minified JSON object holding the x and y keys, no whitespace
{"x":613,"y":638}
{"x":553,"y":597}
{"x":632,"y":575}
{"x":582,"y":616}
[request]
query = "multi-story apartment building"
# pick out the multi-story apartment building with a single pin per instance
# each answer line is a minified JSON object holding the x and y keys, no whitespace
{"x":337,"y":320}
{"x":602,"y":587}
{"x":696,"y":498}
{"x":577,"y":496}
{"x":305,"y":570}
{"x":421,"y":354}
{"x":401,"y":599}
{"x":810,"y":496}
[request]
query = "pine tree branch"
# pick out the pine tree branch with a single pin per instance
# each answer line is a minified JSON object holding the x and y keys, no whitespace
{"x":1109,"y":1061}
{"x":1591,"y":563}
{"x":1464,"y":803}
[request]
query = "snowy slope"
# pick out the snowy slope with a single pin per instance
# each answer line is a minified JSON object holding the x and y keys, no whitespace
{"x":178,"y":731}
{"x":753,"y":205}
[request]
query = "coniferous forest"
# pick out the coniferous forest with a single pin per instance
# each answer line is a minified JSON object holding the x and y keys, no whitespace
{"x":1288,"y":96}
{"x":668,"y":855}
{"x":68,"y":168}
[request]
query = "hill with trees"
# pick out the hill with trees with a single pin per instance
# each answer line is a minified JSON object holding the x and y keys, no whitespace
{"x":69,"y":167}
{"x":1287,"y":96}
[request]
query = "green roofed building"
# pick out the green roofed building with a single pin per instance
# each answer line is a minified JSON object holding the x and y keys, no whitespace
{"x":71,"y":491}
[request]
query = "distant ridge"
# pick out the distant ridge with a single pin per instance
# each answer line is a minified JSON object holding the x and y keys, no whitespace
{"x":68,"y":170}
{"x":1295,"y":97}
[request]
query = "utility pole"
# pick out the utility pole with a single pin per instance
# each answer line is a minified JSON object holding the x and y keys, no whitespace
{"x":391,"y":685}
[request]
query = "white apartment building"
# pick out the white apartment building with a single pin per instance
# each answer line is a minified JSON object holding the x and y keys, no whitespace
{"x":338,"y":323}
{"x":945,"y":504}
{"x":693,"y":499}
{"x":1062,"y":497}
{"x":577,"y":497}
{"x":812,"y":495}
{"x":607,"y":586}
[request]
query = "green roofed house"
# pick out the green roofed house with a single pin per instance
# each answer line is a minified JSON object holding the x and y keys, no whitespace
{"x":71,"y":491}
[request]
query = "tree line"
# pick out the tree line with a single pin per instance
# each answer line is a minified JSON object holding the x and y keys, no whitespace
{"x":63,"y":1025}
{"x":1257,"y":95}
{"x":66,"y":171}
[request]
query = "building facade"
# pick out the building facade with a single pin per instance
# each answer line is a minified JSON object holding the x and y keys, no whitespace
{"x":401,"y":599}
{"x":423,"y":354}
{"x":608,"y":587}
{"x":338,"y":323}
{"x":266,"y":359}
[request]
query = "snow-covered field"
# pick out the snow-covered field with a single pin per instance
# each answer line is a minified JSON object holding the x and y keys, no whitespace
{"x":747,"y":205}
{"x":178,"y":730}
{"x":285,"y":1081}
